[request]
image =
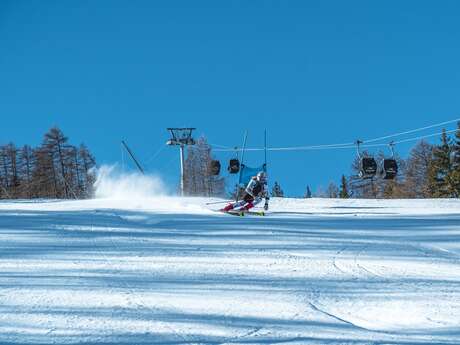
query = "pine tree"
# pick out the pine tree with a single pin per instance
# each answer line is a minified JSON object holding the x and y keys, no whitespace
{"x":440,"y":170}
{"x":277,"y":191}
{"x":455,"y":172}
{"x":308,"y":193}
{"x":343,"y":194}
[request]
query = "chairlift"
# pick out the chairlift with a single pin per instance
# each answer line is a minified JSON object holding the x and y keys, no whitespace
{"x":368,"y":165}
{"x":389,"y":169}
{"x":389,"y":166}
{"x":214,"y":167}
{"x":234,"y":166}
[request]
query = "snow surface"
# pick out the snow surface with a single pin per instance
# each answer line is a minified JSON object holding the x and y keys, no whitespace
{"x":172,"y":271}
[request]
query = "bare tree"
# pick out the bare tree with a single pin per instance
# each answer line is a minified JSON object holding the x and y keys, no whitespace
{"x":199,"y":179}
{"x":55,"y":144}
{"x":417,"y":168}
{"x":27,"y":161}
{"x":53,"y":170}
{"x":332,"y":190}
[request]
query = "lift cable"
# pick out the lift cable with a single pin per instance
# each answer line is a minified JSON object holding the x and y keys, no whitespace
{"x":351,"y":145}
{"x":411,"y":131}
{"x":155,"y":155}
{"x":425,"y":136}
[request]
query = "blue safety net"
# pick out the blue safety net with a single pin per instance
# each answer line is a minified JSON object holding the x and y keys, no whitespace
{"x":247,"y":172}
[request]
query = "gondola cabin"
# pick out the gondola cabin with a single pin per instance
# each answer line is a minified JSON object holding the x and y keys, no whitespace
{"x":234,"y":166}
{"x":368,"y":167}
{"x":214,"y":167}
{"x":389,"y":169}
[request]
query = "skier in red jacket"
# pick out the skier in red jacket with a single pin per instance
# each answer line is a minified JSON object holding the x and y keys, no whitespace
{"x":255,"y":191}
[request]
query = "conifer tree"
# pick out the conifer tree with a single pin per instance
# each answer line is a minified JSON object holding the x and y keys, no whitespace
{"x":277,"y":191}
{"x":343,"y":194}
{"x":455,"y":155}
{"x":440,"y":169}
{"x":308,"y":193}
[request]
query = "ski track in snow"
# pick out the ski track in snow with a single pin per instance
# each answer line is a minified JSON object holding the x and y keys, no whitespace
{"x":312,"y":272}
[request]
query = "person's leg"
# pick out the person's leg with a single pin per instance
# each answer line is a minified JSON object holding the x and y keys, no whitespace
{"x":234,"y":206}
{"x":250,"y":203}
{"x":228,"y":207}
{"x":248,"y":206}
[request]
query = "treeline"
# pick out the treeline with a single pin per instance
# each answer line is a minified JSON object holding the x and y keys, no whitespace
{"x":430,"y":171}
{"x":55,"y":169}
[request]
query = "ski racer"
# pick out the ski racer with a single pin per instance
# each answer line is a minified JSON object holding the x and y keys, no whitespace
{"x":255,"y":191}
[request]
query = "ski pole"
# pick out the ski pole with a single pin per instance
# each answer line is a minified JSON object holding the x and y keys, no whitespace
{"x":218,"y":202}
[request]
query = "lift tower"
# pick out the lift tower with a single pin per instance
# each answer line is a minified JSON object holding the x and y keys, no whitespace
{"x":181,"y":137}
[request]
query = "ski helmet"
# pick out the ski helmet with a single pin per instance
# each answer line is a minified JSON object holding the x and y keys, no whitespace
{"x":261,"y":176}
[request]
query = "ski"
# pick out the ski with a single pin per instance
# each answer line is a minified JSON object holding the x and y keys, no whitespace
{"x":235,"y":213}
{"x":243,"y":213}
{"x":255,"y":213}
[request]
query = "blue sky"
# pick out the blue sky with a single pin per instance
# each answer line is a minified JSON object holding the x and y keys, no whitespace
{"x":310,"y":72}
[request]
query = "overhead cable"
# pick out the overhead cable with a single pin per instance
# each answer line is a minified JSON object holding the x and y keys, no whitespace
{"x":352,"y":145}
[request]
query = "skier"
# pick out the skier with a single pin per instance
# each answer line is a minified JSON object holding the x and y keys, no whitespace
{"x":255,"y":191}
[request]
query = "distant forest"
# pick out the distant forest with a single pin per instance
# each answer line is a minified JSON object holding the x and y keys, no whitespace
{"x":55,"y":169}
{"x":430,"y":171}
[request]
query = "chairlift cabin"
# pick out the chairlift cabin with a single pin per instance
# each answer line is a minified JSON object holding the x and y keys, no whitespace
{"x":367,"y":165}
{"x":389,"y":166}
{"x":214,"y":167}
{"x":234,"y":166}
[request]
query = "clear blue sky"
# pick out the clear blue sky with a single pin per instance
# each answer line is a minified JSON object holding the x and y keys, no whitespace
{"x":310,"y":72}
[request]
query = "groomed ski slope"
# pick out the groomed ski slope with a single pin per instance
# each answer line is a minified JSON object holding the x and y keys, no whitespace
{"x":172,"y":271}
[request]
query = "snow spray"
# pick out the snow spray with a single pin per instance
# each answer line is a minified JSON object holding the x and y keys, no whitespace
{"x":111,"y":183}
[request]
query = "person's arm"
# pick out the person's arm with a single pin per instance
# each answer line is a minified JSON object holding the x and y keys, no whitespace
{"x":250,"y":188}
